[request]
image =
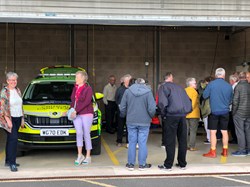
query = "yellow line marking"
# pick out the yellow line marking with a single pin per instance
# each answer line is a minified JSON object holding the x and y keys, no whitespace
{"x":119,"y":150}
{"x":97,"y":183}
{"x":230,"y":179}
{"x":2,"y":155}
{"x":110,"y":153}
{"x":223,"y":159}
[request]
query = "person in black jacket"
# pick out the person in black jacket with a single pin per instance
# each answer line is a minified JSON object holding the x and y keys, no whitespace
{"x":241,"y":115}
{"x":174,"y":104}
{"x":121,"y":121}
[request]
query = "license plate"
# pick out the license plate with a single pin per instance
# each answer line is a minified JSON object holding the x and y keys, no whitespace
{"x":54,"y":132}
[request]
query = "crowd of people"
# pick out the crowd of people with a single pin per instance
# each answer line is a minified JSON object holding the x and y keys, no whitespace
{"x":223,"y":107}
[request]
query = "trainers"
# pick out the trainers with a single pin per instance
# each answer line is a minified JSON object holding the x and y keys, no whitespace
{"x":118,"y":144}
{"x":210,"y":154}
{"x":163,"y":167}
{"x":192,"y":149}
{"x":79,"y":160}
{"x":143,"y":167}
{"x":207,"y":142}
{"x":239,"y":153}
{"x":178,"y":166}
{"x":162,"y":146}
{"x":248,"y":152}
{"x":87,"y":160}
{"x":130,"y":167}
{"x":13,"y":168}
{"x":224,"y":152}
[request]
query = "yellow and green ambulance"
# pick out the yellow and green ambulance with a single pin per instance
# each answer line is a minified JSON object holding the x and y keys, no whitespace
{"x":45,"y":101}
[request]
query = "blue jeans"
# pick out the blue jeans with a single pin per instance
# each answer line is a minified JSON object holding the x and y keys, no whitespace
{"x":137,"y":134}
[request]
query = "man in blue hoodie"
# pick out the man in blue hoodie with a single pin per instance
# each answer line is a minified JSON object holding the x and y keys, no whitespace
{"x":220,"y":93}
{"x":138,"y":105}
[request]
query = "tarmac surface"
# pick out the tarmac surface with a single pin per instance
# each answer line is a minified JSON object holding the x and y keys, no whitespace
{"x":59,"y":164}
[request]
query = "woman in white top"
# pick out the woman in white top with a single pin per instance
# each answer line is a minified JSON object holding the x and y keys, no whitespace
{"x":11,"y":116}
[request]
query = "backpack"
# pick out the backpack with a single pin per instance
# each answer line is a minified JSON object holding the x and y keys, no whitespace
{"x":205,"y":108}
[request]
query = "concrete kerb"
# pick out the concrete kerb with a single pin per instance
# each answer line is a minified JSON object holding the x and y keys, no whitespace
{"x":120,"y":171}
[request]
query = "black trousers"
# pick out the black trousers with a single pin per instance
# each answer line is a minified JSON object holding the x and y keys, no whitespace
{"x":162,"y":134}
{"x":11,"y":143}
{"x":120,"y":128}
{"x":110,"y":110}
{"x":175,"y":126}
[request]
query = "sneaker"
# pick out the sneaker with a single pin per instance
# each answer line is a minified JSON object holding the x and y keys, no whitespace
{"x":162,"y":146}
{"x":130,"y":167}
{"x":248,"y":152}
{"x":143,"y":167}
{"x":163,"y":167}
{"x":118,"y":144}
{"x":178,"y":166}
{"x":79,"y":160}
{"x":13,"y":168}
{"x":192,"y":149}
{"x":239,"y":153}
{"x":207,"y":142}
{"x":87,"y":160}
{"x":210,"y":154}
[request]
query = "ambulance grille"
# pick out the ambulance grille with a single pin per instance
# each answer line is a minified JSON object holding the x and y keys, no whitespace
{"x":49,"y":122}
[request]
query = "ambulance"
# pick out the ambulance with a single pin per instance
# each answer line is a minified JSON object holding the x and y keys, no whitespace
{"x":45,"y":101}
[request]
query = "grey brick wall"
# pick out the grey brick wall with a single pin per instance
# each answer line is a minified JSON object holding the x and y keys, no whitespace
{"x":118,"y":50}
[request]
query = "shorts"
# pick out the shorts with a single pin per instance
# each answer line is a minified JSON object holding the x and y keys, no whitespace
{"x":216,"y":122}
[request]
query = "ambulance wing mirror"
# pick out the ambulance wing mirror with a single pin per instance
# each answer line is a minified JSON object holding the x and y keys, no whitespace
{"x":98,"y":96}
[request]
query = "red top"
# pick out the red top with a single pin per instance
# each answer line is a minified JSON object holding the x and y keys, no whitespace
{"x":156,"y":98}
{"x":83,"y":98}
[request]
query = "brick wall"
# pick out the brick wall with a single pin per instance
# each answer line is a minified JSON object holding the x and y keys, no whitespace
{"x":193,"y":53}
{"x":118,"y":50}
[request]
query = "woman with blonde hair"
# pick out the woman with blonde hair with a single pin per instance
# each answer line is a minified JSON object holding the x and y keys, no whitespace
{"x":81,"y":98}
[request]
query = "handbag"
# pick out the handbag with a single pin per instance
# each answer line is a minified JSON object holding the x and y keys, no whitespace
{"x":70,"y":111}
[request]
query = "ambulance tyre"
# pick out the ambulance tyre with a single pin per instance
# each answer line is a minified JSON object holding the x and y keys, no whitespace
{"x":96,"y":146}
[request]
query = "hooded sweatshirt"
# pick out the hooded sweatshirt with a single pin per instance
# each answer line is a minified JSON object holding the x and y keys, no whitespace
{"x":138,"y":105}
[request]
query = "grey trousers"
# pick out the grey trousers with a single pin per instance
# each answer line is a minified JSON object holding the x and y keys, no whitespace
{"x":242,"y":128}
{"x":192,"y":126}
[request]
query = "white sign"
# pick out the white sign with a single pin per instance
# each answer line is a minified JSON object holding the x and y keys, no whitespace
{"x":54,"y":132}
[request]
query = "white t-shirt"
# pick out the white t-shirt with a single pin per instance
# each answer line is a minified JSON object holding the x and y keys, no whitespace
{"x":16,"y":103}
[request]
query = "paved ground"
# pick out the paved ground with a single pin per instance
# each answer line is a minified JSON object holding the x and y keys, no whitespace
{"x":201,"y":181}
{"x":59,"y":163}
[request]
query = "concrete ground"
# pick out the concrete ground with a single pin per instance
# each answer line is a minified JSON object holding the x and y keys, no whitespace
{"x":111,"y":162}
